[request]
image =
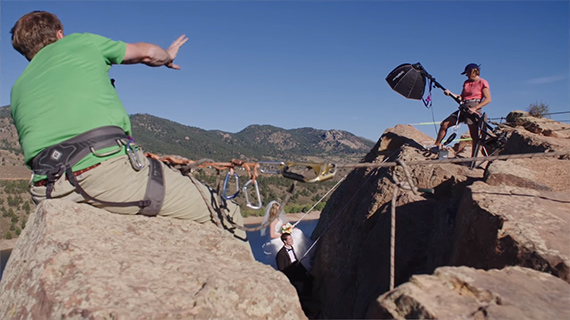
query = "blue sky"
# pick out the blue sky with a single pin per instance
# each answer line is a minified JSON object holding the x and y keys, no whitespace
{"x":319,"y":64}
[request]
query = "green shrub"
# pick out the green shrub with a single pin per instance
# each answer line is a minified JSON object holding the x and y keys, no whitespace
{"x":26,"y":207}
{"x":539,"y":110}
{"x":320,"y":206}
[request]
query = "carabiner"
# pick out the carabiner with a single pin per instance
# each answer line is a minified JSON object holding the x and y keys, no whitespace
{"x":281,"y":165}
{"x":247,"y":202}
{"x":133,"y":156}
{"x":323,"y":171}
{"x":226,"y":181}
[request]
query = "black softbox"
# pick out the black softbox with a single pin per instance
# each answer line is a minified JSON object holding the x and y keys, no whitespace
{"x":408,"y":80}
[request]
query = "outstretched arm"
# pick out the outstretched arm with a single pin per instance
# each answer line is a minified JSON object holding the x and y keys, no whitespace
{"x":449,"y":93}
{"x":153,"y":55}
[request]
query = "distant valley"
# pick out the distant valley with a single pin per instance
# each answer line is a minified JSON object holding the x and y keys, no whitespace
{"x":166,"y":137}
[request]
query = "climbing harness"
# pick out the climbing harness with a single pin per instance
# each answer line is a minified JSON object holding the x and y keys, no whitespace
{"x":453,"y":135}
{"x":58,"y":160}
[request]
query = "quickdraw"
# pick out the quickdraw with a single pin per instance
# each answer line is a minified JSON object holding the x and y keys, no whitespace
{"x":186,"y":166}
{"x":317,"y":172}
{"x":298,"y":171}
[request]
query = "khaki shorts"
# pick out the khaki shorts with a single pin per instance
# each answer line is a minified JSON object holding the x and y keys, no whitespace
{"x":115,"y":180}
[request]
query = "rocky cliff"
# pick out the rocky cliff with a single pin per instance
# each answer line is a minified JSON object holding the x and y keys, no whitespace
{"x":467,"y":293}
{"x":513,"y":212}
{"x":490,"y":242}
{"x":74,"y":261}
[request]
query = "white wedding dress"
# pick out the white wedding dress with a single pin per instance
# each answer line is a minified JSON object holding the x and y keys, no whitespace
{"x":301,"y":243}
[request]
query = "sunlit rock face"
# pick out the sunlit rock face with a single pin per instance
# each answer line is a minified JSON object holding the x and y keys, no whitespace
{"x":513,"y":212}
{"x":76,"y":261}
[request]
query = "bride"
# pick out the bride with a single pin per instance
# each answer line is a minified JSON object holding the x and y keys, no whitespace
{"x":273,"y":244}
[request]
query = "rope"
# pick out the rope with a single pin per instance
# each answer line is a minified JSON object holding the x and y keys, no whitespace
{"x":546,"y":114}
{"x":186,"y":166}
{"x":399,"y":185}
{"x":399,"y":162}
{"x":272,"y":214}
{"x":393,"y":237}
{"x":321,"y":199}
{"x":410,"y":186}
{"x":348,"y":202}
{"x":338,"y":214}
{"x":408,"y":177}
{"x":213,"y":214}
{"x":454,"y":160}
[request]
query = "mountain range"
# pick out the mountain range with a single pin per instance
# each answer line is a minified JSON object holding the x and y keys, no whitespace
{"x":255,"y":142}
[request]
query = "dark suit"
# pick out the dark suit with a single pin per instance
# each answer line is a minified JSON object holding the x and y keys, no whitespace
{"x":295,"y":271}
{"x":283,"y":260}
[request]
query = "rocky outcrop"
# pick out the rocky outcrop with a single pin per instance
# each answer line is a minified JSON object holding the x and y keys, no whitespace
{"x":74,"y":261}
{"x":498,"y":226}
{"x":513,"y":213}
{"x":531,"y":134}
{"x":335,"y":138}
{"x":466,"y":293}
{"x":352,"y":264}
{"x":541,"y":126}
{"x":514,"y":173}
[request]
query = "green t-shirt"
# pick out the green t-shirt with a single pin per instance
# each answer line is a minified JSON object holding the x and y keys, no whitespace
{"x":65,"y":91}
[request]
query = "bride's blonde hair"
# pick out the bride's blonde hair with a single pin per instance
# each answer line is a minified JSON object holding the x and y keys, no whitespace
{"x":274,"y":211}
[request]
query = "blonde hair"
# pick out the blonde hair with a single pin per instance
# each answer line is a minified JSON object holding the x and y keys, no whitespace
{"x":33,"y":31}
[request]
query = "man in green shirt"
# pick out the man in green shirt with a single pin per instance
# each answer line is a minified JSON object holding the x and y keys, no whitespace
{"x":64,"y":100}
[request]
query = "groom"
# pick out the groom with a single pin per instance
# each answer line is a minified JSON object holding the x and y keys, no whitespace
{"x":288,"y":263}
{"x":286,"y":257}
